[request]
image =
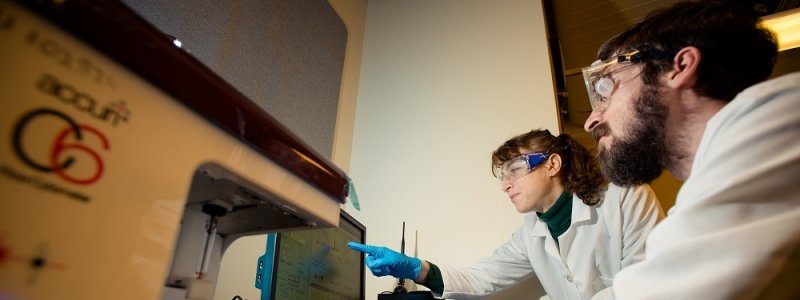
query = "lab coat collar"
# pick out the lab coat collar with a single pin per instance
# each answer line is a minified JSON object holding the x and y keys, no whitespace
{"x":539,"y":227}
{"x":580,"y":214}
{"x":580,"y":211}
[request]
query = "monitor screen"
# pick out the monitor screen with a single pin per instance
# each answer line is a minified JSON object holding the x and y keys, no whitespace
{"x":313,"y":264}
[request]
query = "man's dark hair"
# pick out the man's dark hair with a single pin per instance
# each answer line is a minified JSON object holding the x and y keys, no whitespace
{"x":736,"y":52}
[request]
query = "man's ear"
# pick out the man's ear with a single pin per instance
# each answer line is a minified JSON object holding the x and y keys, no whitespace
{"x":553,"y":164}
{"x":685,"y":66}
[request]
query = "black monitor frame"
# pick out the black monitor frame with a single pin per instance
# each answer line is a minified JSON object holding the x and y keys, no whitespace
{"x":268,"y":266}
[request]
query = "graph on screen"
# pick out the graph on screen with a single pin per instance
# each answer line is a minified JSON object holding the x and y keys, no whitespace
{"x":313,"y":264}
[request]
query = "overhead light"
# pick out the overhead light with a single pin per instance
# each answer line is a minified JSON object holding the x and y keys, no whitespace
{"x":786,"y":25}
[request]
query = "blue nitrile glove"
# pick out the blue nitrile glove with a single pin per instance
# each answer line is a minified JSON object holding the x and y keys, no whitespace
{"x":383,"y":261}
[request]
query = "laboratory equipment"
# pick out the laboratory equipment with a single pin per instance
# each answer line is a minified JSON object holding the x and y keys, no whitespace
{"x":401,"y":282}
{"x":127,"y":167}
{"x":313,"y":264}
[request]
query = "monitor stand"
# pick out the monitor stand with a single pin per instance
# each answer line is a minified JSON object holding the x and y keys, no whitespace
{"x":413,"y":295}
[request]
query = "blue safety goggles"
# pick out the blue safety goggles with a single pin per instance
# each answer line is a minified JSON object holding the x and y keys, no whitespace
{"x":519,"y":166}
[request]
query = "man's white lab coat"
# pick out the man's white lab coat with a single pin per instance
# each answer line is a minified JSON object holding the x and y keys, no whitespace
{"x":734,"y":232}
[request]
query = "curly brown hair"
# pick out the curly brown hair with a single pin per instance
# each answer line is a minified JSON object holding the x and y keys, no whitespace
{"x":580,"y":172}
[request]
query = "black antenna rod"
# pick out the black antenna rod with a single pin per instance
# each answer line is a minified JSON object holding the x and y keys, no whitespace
{"x":403,"y":240}
{"x":401,"y":283}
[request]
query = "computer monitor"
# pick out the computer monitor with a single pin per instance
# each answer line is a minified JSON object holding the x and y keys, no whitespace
{"x":313,"y":264}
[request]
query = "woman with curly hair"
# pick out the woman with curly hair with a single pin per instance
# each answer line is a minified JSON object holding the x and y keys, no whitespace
{"x":578,"y":231}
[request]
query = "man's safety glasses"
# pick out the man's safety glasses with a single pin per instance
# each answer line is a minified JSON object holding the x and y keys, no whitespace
{"x":599,"y":84}
{"x":519,"y":166}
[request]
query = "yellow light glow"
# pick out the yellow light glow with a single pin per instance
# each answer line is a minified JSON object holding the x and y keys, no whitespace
{"x":786,"y":25}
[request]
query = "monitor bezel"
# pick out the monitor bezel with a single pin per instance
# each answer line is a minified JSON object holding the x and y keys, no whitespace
{"x":343,"y":217}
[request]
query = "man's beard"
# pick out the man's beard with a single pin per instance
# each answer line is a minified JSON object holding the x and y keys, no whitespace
{"x":638,"y":158}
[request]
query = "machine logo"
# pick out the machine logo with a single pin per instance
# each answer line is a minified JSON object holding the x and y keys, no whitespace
{"x":112,"y":113}
{"x":70,"y":154}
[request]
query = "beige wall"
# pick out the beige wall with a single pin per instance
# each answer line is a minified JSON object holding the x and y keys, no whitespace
{"x":442,"y":84}
{"x":353,"y":14}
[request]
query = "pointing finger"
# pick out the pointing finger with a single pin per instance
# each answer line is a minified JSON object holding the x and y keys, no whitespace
{"x":371,"y":250}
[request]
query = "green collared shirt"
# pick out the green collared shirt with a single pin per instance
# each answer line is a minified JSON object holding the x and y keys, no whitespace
{"x":559,"y":216}
{"x":434,"y":279}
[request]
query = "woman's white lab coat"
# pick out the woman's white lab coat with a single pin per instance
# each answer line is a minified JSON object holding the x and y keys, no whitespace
{"x":601,"y":240}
